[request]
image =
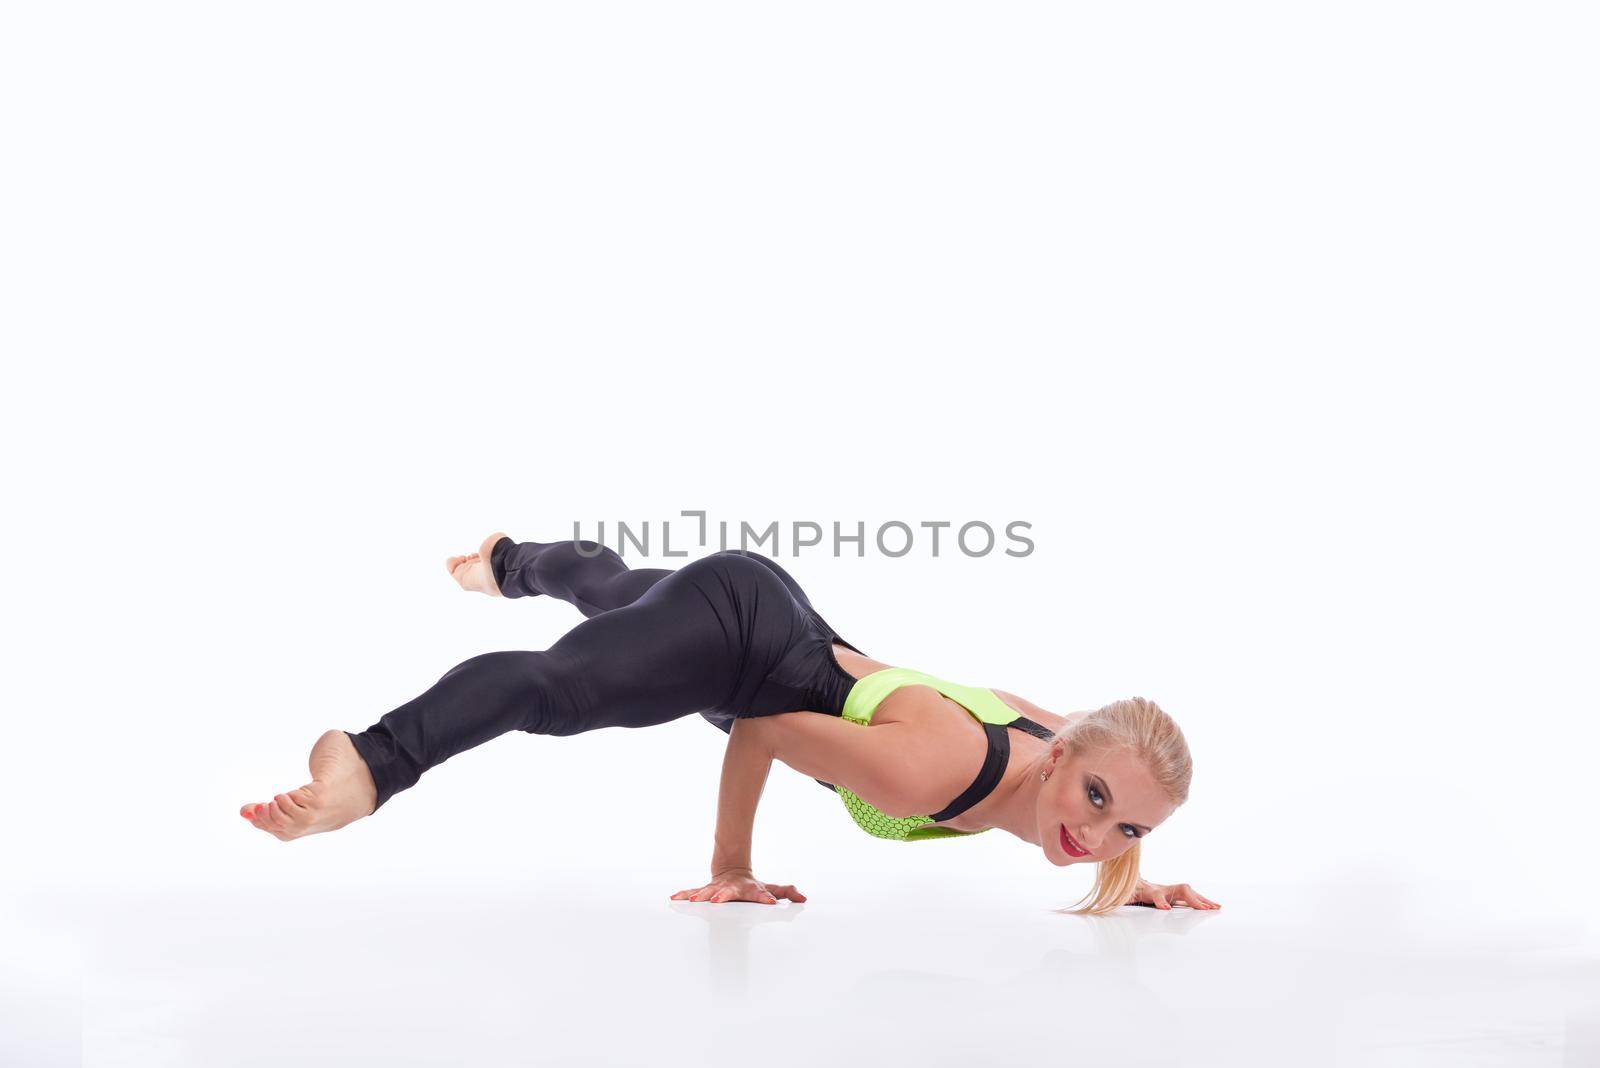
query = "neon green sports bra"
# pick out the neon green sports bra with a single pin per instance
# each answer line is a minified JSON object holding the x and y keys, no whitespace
{"x":995,"y":716}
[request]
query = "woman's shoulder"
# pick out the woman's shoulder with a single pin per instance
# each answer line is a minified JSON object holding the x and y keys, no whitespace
{"x":1041,"y":716}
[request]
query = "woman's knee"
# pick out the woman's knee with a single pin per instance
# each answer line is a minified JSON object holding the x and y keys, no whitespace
{"x":575,"y":570}
{"x":527,"y":690}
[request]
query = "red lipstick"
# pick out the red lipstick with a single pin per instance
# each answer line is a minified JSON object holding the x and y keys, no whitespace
{"x":1070,"y":846}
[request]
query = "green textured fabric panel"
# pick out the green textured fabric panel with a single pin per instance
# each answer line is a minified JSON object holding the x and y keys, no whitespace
{"x":876,"y":822}
{"x":864,"y":698}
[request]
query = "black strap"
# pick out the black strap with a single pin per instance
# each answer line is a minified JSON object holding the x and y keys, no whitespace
{"x":994,"y":765}
{"x":1038,"y":730}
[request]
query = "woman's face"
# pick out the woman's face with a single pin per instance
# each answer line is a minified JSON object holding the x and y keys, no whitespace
{"x":1104,"y":800}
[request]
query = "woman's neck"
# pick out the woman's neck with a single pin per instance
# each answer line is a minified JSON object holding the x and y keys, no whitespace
{"x":1013,"y":804}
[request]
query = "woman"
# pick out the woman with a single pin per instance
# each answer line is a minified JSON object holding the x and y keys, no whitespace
{"x":732,"y":637}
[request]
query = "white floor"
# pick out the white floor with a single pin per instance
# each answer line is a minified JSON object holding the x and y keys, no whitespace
{"x":568,"y":972}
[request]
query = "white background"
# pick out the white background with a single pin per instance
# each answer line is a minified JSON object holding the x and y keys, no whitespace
{"x":1271,"y":320}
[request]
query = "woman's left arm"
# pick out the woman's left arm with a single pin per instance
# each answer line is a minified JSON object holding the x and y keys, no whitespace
{"x":1165,"y":896}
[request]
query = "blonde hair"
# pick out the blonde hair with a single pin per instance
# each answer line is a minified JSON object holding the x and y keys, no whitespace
{"x":1140,"y":725}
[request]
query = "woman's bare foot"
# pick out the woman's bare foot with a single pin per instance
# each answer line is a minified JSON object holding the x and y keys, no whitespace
{"x":473,"y":570}
{"x":341,"y":791}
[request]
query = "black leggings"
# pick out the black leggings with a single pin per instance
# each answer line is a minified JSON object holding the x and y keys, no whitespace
{"x":730,"y":635}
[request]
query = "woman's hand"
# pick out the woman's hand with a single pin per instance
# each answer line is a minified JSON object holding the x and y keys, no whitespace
{"x":1164,"y":897}
{"x":738,"y":884}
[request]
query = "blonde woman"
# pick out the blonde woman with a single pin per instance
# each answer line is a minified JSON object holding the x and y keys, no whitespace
{"x":732,"y":637}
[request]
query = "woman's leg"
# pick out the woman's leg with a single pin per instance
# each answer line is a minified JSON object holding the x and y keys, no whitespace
{"x":583,"y":573}
{"x":657,"y":645}
{"x":669,"y":652}
{"x":592,"y":576}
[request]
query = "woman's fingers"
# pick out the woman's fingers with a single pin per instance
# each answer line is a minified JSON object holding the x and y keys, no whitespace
{"x":695,"y":893}
{"x":1185,"y":893}
{"x":1164,"y":897}
{"x":759,"y":893}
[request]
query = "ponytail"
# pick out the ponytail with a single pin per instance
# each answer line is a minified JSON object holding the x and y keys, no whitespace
{"x":1114,"y":883}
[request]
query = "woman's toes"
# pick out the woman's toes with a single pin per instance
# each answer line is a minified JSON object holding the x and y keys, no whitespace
{"x":274,"y":817}
{"x":261,"y":816}
{"x":291,"y":811}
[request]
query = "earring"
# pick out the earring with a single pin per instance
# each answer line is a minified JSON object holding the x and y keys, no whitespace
{"x":1043,"y":775}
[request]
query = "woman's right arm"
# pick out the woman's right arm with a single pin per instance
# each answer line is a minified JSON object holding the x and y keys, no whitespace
{"x":745,"y":765}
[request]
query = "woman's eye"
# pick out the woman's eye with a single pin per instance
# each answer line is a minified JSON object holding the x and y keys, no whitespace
{"x":1131,"y":832}
{"x":1094,"y":796}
